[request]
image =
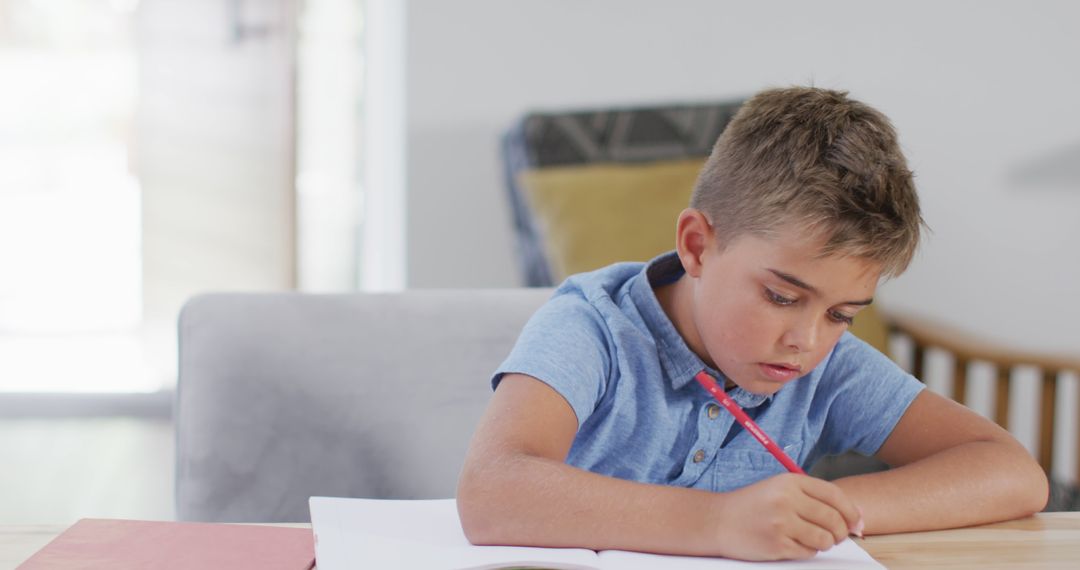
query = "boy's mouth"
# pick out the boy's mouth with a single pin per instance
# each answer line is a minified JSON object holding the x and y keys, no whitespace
{"x":780,"y":372}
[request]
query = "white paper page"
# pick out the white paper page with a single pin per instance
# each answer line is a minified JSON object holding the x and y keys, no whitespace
{"x":352,"y":534}
{"x":369,"y":533}
{"x":847,"y":554}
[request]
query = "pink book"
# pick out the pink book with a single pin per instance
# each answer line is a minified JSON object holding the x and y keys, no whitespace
{"x":131,"y":545}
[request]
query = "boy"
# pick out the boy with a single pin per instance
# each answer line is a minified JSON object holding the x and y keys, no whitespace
{"x":598,"y":437}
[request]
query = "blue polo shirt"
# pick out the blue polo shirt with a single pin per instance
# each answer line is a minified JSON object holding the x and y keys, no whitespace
{"x":604,"y":343}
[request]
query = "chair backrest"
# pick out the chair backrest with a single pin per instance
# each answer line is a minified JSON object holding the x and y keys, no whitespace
{"x":285,"y":396}
{"x":588,"y":188}
{"x":964,"y":349}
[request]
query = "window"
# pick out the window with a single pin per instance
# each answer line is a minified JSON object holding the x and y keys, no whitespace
{"x":152,"y":150}
{"x":70,"y":297}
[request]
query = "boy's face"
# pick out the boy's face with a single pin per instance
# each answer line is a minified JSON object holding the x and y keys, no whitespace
{"x":767,"y":311}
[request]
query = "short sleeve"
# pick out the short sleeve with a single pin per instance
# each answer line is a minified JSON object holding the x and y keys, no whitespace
{"x":566,"y":344}
{"x":869,"y":394}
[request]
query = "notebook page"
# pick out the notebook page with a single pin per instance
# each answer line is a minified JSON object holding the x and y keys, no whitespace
{"x":847,"y":554}
{"x":373,"y":533}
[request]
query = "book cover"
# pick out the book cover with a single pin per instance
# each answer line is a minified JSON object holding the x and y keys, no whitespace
{"x":130,"y":544}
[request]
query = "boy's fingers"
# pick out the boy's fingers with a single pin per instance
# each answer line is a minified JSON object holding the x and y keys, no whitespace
{"x":826,"y":518}
{"x":812,"y":536}
{"x":798,"y":551}
{"x":832,"y":496}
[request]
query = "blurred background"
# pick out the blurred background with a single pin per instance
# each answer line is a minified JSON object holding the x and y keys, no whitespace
{"x":151,"y":150}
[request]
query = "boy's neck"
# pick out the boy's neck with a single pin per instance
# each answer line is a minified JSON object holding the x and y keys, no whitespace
{"x":676,"y":301}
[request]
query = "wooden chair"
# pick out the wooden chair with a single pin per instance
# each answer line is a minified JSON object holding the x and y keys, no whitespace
{"x":879,"y":328}
{"x":966,"y":350}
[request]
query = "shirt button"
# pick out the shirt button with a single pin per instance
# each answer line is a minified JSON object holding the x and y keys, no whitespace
{"x":699,"y":455}
{"x":713,"y":411}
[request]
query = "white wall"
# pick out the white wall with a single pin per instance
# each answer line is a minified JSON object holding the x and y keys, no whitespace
{"x":215,"y":145}
{"x":984,"y":95}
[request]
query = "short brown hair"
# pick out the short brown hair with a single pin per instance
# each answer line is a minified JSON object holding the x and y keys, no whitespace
{"x":816,"y":158}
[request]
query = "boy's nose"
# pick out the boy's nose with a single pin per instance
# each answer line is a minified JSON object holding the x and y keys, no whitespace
{"x":802,"y":336}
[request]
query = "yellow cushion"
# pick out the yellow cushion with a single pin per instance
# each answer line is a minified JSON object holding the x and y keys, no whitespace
{"x":870,"y":327}
{"x":592,"y":216}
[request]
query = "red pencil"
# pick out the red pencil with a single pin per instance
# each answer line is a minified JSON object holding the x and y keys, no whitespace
{"x":721,"y":396}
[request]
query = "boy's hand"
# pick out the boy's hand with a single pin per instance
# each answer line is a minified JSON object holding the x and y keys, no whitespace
{"x":784,"y":517}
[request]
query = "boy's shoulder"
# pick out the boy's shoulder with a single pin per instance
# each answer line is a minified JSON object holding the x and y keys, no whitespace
{"x":854,"y":362}
{"x":605,"y":301}
{"x":599,"y":287}
{"x":852,"y":351}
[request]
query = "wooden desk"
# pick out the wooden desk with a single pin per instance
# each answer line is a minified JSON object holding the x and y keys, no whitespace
{"x":1049,"y":540}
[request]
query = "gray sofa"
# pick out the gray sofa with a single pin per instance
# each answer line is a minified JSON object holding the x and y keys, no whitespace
{"x":284,"y":396}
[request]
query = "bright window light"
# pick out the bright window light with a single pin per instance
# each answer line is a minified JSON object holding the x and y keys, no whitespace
{"x":70,"y":296}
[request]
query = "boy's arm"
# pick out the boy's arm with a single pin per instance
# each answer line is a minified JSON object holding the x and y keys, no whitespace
{"x":516,"y":488}
{"x":950,"y":467}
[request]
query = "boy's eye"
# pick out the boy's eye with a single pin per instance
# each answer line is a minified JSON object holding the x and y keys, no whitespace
{"x":839,"y":317}
{"x":776,"y":298}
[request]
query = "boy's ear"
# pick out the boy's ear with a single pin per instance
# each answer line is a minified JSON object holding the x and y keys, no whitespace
{"x":693,"y":236}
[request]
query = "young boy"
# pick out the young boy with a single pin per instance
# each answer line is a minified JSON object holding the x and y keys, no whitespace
{"x":597,"y":435}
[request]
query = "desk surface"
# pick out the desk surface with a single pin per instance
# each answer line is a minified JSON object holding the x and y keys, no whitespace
{"x":1047,"y":540}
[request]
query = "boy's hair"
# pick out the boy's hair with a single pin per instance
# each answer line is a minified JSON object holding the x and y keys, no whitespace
{"x":817,"y":160}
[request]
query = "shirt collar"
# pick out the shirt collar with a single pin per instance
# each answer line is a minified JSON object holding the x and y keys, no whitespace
{"x":680,"y":364}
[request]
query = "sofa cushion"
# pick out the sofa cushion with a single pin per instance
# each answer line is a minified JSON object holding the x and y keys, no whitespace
{"x":285,"y":396}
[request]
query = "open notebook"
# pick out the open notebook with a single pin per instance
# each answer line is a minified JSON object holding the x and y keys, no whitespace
{"x":372,"y":533}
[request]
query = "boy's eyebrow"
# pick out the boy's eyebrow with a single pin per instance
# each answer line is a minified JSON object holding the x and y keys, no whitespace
{"x":806,"y":286}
